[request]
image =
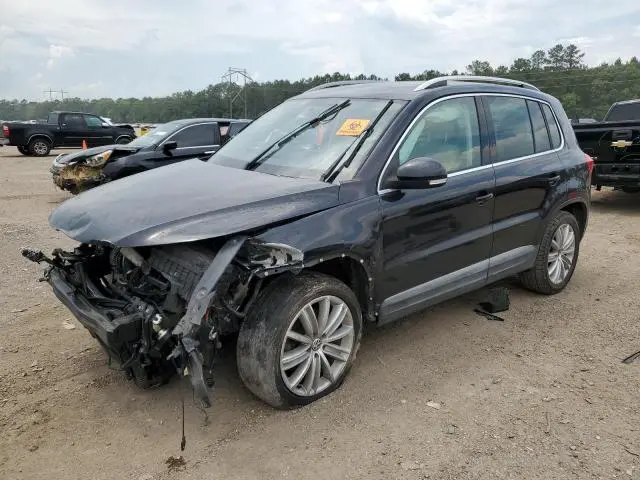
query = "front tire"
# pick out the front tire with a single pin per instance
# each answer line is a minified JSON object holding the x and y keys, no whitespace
{"x":24,"y":150}
{"x":39,"y":147}
{"x":123,"y":140}
{"x":299,"y":340}
{"x":557,"y":256}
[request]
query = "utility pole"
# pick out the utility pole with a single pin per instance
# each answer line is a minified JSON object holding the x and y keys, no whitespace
{"x":62,"y":92}
{"x":243,"y":76}
{"x":50,"y":92}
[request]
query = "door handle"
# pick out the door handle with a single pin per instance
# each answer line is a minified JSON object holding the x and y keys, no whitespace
{"x":209,"y":152}
{"x":484,"y":198}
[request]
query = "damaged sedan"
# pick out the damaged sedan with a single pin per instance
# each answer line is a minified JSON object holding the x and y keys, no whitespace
{"x":349,"y":204}
{"x":168,"y":143}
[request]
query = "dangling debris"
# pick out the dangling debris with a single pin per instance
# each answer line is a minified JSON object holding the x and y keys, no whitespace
{"x":632,"y":358}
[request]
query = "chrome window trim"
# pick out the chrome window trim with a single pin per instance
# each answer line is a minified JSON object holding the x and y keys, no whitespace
{"x":481,"y":167}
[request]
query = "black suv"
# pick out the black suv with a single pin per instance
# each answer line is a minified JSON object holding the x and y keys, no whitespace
{"x":350,"y":203}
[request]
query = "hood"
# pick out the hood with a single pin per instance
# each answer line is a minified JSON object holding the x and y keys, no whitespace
{"x":75,"y":157}
{"x":188,"y":201}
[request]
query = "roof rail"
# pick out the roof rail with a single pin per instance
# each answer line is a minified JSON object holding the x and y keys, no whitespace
{"x":442,"y":81}
{"x":341,"y":83}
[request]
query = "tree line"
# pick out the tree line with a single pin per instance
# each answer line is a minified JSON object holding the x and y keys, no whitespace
{"x":560,"y":71}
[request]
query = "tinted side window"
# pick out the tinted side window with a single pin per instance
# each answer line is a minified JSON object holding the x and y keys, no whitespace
{"x":514,"y":137}
{"x":540,"y":134}
{"x":236,"y":128}
{"x":72,"y":120}
{"x":93,"y":122}
{"x":447,"y":132}
{"x":195,"y":136}
{"x":554,"y":130}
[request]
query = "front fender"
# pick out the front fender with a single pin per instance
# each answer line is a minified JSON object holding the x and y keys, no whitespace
{"x":351,"y":230}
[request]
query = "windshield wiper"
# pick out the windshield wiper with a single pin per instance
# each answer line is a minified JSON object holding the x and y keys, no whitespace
{"x":263,"y":156}
{"x":335,"y":168}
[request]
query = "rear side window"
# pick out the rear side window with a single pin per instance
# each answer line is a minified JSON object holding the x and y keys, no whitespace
{"x":540,"y":134}
{"x":73,"y":120}
{"x":554,"y":130}
{"x":514,"y":135}
{"x":195,"y":136}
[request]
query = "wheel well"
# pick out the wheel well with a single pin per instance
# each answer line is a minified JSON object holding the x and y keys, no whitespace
{"x":39,"y":135}
{"x":579,"y":211}
{"x":354,"y":275}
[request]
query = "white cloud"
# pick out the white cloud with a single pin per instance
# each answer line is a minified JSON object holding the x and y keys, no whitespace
{"x":290,"y":38}
{"x":56,"y":52}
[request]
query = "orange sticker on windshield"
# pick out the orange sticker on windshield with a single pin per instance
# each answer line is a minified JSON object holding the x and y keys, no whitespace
{"x":352,"y":127}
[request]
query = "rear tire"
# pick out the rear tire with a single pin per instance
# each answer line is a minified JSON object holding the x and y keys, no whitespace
{"x":276,"y":340}
{"x":123,"y":141}
{"x":24,"y":150}
{"x":39,"y":147}
{"x":557,"y":256}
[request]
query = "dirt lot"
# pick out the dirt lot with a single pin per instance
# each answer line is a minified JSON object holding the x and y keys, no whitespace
{"x":541,"y":395}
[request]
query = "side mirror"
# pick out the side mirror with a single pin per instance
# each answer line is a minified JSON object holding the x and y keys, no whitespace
{"x":420,"y":172}
{"x":168,"y":146}
{"x":105,"y":125}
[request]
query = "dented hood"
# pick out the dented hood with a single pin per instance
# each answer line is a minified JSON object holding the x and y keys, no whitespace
{"x":188,"y":201}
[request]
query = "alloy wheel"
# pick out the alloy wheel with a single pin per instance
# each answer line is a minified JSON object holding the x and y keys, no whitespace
{"x":40,"y":148}
{"x":317,"y":346}
{"x":561,"y":253}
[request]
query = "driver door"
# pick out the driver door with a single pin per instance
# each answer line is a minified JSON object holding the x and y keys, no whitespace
{"x":437,"y":241}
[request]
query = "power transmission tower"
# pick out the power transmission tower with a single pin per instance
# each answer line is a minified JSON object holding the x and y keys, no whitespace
{"x":51,"y":92}
{"x":243,"y":76}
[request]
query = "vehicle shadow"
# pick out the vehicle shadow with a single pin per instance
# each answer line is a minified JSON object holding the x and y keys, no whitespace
{"x":607,"y":201}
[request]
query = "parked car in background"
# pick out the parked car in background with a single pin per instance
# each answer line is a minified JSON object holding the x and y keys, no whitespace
{"x":344,"y":205}
{"x":166,"y":144}
{"x":614,"y":144}
{"x":64,"y":130}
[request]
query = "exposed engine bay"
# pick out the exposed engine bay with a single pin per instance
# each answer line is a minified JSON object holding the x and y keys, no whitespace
{"x":161,"y":310}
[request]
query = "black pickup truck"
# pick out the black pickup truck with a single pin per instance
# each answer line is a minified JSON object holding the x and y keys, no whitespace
{"x":64,"y":130}
{"x":614,"y":145}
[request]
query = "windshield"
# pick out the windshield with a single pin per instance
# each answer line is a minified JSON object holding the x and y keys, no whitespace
{"x":314,"y":149}
{"x":156,"y":135}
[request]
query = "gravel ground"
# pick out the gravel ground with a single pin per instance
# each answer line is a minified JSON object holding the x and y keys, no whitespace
{"x":444,"y":394}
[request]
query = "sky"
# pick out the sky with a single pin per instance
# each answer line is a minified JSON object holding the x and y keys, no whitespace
{"x":120,"y":48}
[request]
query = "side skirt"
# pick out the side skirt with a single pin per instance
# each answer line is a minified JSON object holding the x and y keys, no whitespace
{"x":457,"y":283}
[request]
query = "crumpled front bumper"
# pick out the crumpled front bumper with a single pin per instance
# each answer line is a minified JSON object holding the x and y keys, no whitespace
{"x":111,"y":333}
{"x":76,"y":177}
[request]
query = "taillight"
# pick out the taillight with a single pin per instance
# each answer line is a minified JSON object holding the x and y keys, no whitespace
{"x":590,"y":163}
{"x":5,"y":130}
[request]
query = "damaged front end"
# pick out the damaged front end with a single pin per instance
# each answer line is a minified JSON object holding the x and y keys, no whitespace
{"x":163,"y":309}
{"x":77,"y":178}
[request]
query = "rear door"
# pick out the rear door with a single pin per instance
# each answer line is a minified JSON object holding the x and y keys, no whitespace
{"x":529,"y":178}
{"x":437,"y":241}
